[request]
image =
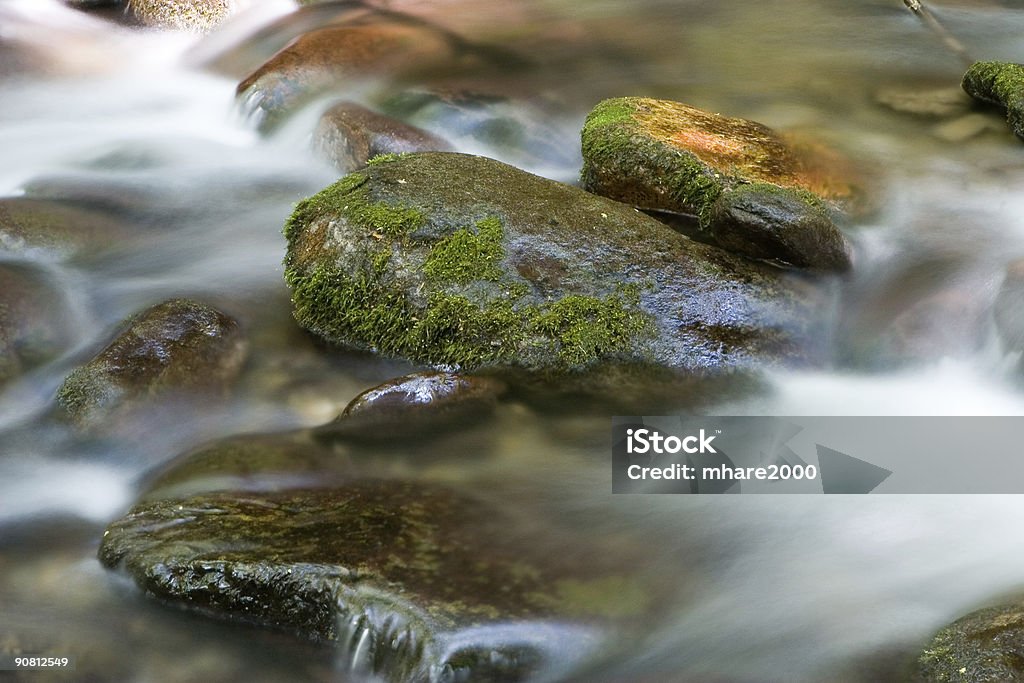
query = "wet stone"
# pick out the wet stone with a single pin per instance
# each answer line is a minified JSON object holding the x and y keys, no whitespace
{"x":937,"y":102}
{"x":349,"y":135}
{"x":199,"y":16}
{"x":417,"y":404}
{"x":174,"y":347}
{"x":663,"y":155}
{"x":416,"y":581}
{"x":340,"y":57}
{"x":56,"y":229}
{"x":1002,"y":84}
{"x":452,"y":260}
{"x":36,"y":323}
{"x":986,"y":645}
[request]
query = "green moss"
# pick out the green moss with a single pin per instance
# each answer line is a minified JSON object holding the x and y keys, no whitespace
{"x":615,"y":146}
{"x":386,"y":158}
{"x":1000,"y":83}
{"x":588,"y":328}
{"x":350,"y":197}
{"x":467,"y":255}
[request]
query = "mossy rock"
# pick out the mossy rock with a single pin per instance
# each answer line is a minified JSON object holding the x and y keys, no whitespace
{"x":416,"y":581}
{"x":986,"y":645}
{"x":198,"y":16}
{"x":452,"y":260}
{"x":178,"y":346}
{"x":349,"y":135}
{"x":36,"y":322}
{"x":1002,"y":84}
{"x":662,"y":155}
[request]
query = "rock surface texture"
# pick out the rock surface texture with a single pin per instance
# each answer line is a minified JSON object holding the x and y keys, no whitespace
{"x":454,"y":260}
{"x":749,"y":189}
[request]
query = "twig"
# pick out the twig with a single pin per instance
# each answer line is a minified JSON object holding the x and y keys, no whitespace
{"x":930,"y":20}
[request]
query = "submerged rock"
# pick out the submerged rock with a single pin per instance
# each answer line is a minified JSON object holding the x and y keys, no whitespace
{"x":416,"y":581}
{"x":200,"y":16}
{"x":750,"y":191}
{"x":349,"y":135}
{"x":986,"y":645}
{"x":932,"y":101}
{"x":175,"y":346}
{"x":1000,"y":83}
{"x":55,"y":228}
{"x":411,"y":405}
{"x":337,"y":56}
{"x":454,"y":260}
{"x":35,"y":321}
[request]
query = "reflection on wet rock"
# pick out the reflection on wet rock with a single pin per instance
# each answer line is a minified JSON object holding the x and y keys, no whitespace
{"x":414,"y":580}
{"x":176,"y":346}
{"x":749,"y":189}
{"x":454,"y":260}
{"x":411,"y":406}
{"x":349,"y":135}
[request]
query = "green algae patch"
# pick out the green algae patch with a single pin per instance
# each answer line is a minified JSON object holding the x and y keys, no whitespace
{"x":1002,"y":84}
{"x":461,"y":262}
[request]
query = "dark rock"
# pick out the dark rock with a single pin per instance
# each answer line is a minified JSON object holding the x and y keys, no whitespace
{"x":416,"y":404}
{"x":55,"y":228}
{"x":454,"y":260}
{"x":200,"y":16}
{"x":410,"y":578}
{"x":1002,"y":84}
{"x":986,"y":645}
{"x":349,"y":135}
{"x":657,"y":154}
{"x":764,"y":221}
{"x":36,"y":323}
{"x":340,"y":56}
{"x":176,"y":346}
{"x":1008,"y":309}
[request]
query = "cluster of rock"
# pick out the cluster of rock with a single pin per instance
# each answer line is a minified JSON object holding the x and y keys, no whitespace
{"x":467,"y":265}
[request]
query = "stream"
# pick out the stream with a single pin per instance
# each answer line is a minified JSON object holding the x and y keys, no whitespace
{"x":133,"y":124}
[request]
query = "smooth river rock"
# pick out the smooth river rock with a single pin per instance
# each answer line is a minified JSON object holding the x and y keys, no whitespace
{"x":53,"y":229}
{"x":750,"y":190}
{"x":349,"y":135}
{"x":416,"y":581}
{"x":453,"y":260}
{"x":176,"y":346}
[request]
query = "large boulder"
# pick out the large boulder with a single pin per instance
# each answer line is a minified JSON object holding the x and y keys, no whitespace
{"x":415,"y":580}
{"x":454,"y":260}
{"x":176,"y":346}
{"x":750,"y":189}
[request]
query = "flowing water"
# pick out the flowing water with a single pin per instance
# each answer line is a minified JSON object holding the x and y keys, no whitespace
{"x":770,"y":588}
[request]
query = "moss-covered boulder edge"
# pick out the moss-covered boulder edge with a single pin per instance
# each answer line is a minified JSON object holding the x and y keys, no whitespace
{"x":753,"y":191}
{"x":1001,"y":84}
{"x":456,"y":261}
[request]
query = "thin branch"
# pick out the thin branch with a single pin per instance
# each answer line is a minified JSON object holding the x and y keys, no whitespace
{"x":933,"y":24}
